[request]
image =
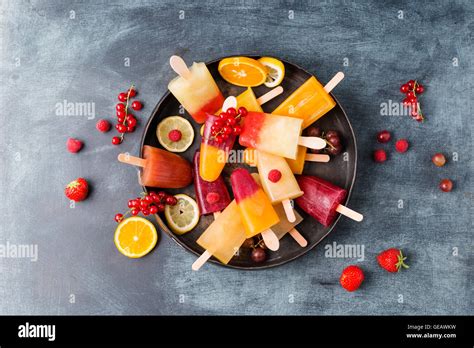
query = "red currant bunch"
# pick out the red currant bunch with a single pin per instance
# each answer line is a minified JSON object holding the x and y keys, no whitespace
{"x":412,"y":88}
{"x":152,"y":203}
{"x":126,"y":122}
{"x":228,"y":124}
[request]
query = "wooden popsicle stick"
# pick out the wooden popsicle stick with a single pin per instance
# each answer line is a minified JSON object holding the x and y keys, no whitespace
{"x":271,"y":240}
{"x":349,"y":213}
{"x":334,"y":81}
{"x":179,"y":66}
{"x":298,"y":237}
{"x":290,"y":213}
{"x":201,"y":260}
{"x":229,"y":102}
{"x":132,"y":160}
{"x":270,"y":95}
{"x":312,"y":142}
{"x":216,"y":214}
{"x":314,"y":157}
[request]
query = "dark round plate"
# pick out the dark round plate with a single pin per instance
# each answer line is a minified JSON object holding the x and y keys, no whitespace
{"x":341,"y":170}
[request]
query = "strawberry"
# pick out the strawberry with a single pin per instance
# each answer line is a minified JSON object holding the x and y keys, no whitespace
{"x":74,"y":145}
{"x":77,"y":190}
{"x":351,"y":278}
{"x":391,"y":260}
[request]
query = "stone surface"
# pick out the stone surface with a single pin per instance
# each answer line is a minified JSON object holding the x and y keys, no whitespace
{"x":79,"y":52}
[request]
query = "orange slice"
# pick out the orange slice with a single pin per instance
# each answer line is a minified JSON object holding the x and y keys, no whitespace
{"x":243,"y":71}
{"x":135,"y":237}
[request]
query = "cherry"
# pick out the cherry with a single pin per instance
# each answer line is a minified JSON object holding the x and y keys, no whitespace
{"x":258,"y":255}
{"x":120,"y":107}
{"x":383,"y":136}
{"x":438,"y":159}
{"x":122,"y":97}
{"x":314,"y":131}
{"x":116,"y":140}
{"x":248,"y":243}
{"x":118,"y":217}
{"x":242,"y":111}
{"x":446,"y":185}
{"x":404,"y":88}
{"x":334,"y":149}
{"x":136,"y":105}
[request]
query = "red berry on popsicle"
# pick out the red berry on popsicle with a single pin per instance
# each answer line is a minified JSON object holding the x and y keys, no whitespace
{"x":274,"y":175}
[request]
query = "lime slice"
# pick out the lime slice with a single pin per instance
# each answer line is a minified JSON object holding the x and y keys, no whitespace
{"x":183,"y":216}
{"x":173,"y":123}
{"x":276,"y":71}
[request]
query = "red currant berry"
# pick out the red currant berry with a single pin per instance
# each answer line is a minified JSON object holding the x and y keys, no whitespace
{"x":148,"y":199}
{"x":383,"y":137}
{"x":218,"y":123}
{"x":116,"y":140}
{"x":406,"y":102}
{"x":146,"y":211}
{"x":121,"y":113}
{"x":120,"y":106}
{"x":131,"y":203}
{"x":143,"y":204}
{"x":121,"y":128}
{"x":380,"y":156}
{"x":410,"y":94}
{"x":274,"y":175}
{"x":225,"y":136}
{"x":153,"y":209}
{"x":120,"y":119}
{"x":161,"y":207}
{"x":414,"y":113}
{"x":231,"y":112}
{"x":175,"y":135}
{"x":401,"y":145}
{"x":134,"y":211}
{"x":404,"y":88}
{"x":171,"y":200}
{"x":118,"y":217}
{"x":130,"y":129}
{"x":411,"y":84}
{"x":237,"y":130}
{"x":162,"y":194}
{"x":132,"y":92}
{"x":219,"y":139}
{"x":446,"y":185}
{"x":412,"y":100}
{"x":131,"y":121}
{"x":243,"y":111}
{"x":227,"y":130}
{"x":419,"y":89}
{"x":231,"y":121}
{"x":122,"y":97}
{"x":136,"y":105}
{"x":222,"y":116}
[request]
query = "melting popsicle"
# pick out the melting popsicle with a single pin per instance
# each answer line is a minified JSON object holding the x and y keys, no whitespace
{"x":296,"y":165}
{"x":323,"y":200}
{"x":212,"y":197}
{"x":223,"y":238}
{"x":195,"y":89}
{"x":279,"y":135}
{"x":310,"y":101}
{"x":256,"y":210}
{"x":278,"y":181}
{"x":160,"y":168}
{"x":284,"y":226}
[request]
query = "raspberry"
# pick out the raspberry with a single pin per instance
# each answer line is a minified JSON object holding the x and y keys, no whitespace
{"x":174,"y":135}
{"x":74,"y":145}
{"x":103,"y":126}
{"x":401,"y":145}
{"x":212,"y":197}
{"x":380,"y":156}
{"x":274,"y":175}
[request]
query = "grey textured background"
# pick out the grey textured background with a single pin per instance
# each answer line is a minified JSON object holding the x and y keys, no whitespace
{"x":47,"y":56}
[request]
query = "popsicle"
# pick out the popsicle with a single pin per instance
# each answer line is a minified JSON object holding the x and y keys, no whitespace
{"x":160,"y":168}
{"x":278,"y":135}
{"x":310,"y":101}
{"x":278,"y":181}
{"x":195,"y":89}
{"x":213,"y":154}
{"x":212,"y":197}
{"x":256,"y":210}
{"x":323,"y":200}
{"x":223,"y":238}
{"x":284,"y":226}
{"x":296,"y":165}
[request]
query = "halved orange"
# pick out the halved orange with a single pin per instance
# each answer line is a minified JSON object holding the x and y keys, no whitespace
{"x":135,"y":237}
{"x":243,"y":71}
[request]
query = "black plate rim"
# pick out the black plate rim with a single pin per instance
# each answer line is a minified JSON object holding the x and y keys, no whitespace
{"x":263,"y":266}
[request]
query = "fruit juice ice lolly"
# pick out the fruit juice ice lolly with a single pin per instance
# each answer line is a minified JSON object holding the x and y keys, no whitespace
{"x":323,"y":200}
{"x":225,"y":234}
{"x":195,"y":89}
{"x":297,"y":164}
{"x":212,"y":196}
{"x":278,"y":181}
{"x":248,"y":100}
{"x":161,"y":168}
{"x":213,"y":154}
{"x":256,"y":209}
{"x":309,"y":102}
{"x":278,"y":135}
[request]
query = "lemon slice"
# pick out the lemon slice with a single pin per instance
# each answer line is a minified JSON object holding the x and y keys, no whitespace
{"x":242,"y":71}
{"x":135,"y":237}
{"x":183,"y":216}
{"x":276,"y":71}
{"x":177,"y":125}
